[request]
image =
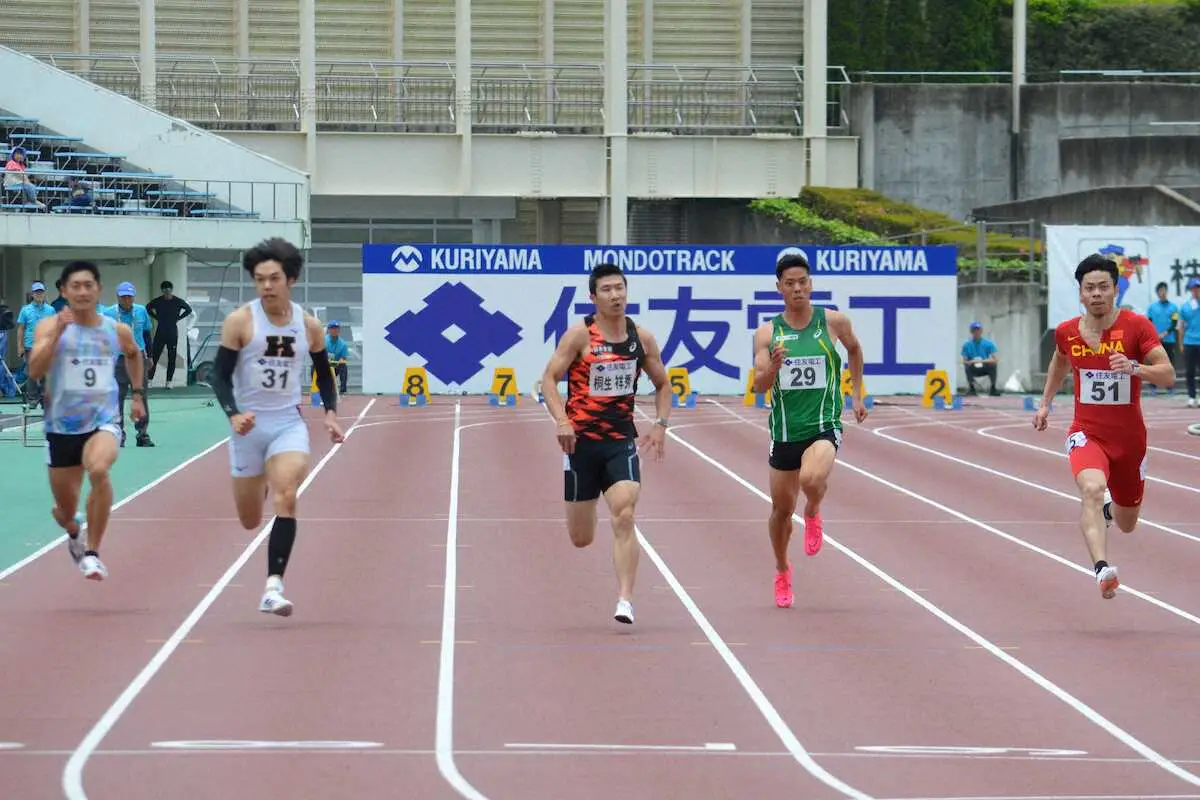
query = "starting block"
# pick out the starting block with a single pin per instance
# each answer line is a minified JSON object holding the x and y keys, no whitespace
{"x":682,"y":395}
{"x":752,"y":398}
{"x":955,"y":404}
{"x":937,"y":385}
{"x":848,"y":391}
{"x":504,"y":388}
{"x":416,"y":388}
{"x":1033,"y":404}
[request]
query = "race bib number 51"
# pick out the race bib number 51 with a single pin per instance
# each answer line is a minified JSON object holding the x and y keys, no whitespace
{"x":1103,"y":388}
{"x":803,"y":372}
{"x":611,"y":378}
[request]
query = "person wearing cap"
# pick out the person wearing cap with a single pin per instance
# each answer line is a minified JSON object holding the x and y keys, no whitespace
{"x":979,"y":359}
{"x":135,"y":316}
{"x":339,"y":353}
{"x":31,"y":314}
{"x":1189,"y":325}
{"x":167,"y":310}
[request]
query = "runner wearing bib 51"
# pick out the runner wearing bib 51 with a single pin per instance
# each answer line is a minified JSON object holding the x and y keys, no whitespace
{"x":1109,"y":352}
{"x":795,"y":359}
{"x":257,"y":377}
{"x":77,"y":350}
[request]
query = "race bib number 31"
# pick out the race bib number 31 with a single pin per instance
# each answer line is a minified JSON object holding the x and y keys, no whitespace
{"x":93,"y":375}
{"x":274,"y":376}
{"x":1102,"y":388}
{"x":803,"y":372}
{"x":611,"y":378}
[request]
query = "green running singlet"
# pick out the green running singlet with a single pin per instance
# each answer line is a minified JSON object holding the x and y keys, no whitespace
{"x":806,"y":398}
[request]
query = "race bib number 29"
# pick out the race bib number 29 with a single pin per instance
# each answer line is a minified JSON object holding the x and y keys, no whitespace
{"x":1103,"y":388}
{"x":803,"y":372}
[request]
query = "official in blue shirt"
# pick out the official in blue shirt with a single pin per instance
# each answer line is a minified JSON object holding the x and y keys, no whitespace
{"x":339,"y":353}
{"x":979,"y":359}
{"x":1189,"y":318}
{"x":1165,"y":316}
{"x":27,"y":321}
{"x":135,"y":316}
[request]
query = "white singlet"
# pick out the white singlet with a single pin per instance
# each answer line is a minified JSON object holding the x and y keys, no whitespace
{"x":270,"y":367}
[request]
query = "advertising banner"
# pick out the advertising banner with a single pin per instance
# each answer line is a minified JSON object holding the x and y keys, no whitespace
{"x":461,"y":311}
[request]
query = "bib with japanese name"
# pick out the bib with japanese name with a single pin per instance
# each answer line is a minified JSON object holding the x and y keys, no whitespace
{"x":611,"y":378}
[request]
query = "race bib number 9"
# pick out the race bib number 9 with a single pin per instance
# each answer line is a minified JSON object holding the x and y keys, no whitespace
{"x":93,"y":375}
{"x":611,"y":378}
{"x":803,"y":372}
{"x":1102,"y":388}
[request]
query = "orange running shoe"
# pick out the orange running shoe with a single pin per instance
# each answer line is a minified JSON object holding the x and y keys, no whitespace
{"x":814,"y":534}
{"x":783,"y":588}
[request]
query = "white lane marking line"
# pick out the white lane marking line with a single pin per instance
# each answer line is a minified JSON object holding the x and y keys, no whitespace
{"x":1078,"y":705}
{"x":72,"y":777}
{"x":707,"y":746}
{"x":881,"y":433}
{"x":967,"y":750}
{"x":11,"y":745}
{"x":985,"y":432}
{"x":29,"y":559}
{"x":250,"y":744}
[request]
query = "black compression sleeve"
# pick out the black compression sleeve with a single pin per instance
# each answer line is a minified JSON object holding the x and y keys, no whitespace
{"x":325,"y":385}
{"x":222,"y":379}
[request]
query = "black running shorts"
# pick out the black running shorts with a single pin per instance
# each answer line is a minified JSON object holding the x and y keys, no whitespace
{"x":66,"y":449}
{"x":597,"y":465}
{"x":785,"y":456}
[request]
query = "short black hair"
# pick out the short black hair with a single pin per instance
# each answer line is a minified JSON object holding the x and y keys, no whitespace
{"x":275,"y":249}
{"x":1161,"y":285}
{"x":1096,"y":263}
{"x":790,"y":261}
{"x":78,"y":266}
{"x":603,"y":271}
{"x":165,"y":286}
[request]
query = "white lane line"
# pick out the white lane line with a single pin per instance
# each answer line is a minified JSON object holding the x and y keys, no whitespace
{"x":29,"y":559}
{"x":72,"y":777}
{"x":706,"y":747}
{"x":1070,"y":700}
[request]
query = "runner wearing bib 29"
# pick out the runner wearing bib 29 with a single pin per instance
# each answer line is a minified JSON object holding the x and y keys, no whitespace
{"x":602,"y":359}
{"x":257,"y":377}
{"x":1109,"y":352}
{"x":795,"y":359}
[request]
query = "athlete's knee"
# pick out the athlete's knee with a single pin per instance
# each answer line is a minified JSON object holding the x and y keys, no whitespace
{"x":284,"y":499}
{"x":582,"y":533}
{"x":622,"y":520}
{"x":1091,"y":489}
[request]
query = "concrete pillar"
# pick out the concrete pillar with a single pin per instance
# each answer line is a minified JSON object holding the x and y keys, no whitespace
{"x":616,"y":108}
{"x":147,"y":61}
{"x":816,"y":58}
{"x":1018,"y":80}
{"x":308,"y":85}
{"x":463,"y":113}
{"x":243,"y":36}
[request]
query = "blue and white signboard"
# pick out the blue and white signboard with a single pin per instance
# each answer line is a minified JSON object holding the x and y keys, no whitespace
{"x":460,"y":311}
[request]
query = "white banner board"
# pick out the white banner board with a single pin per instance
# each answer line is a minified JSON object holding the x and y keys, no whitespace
{"x":460,"y":311}
{"x":1145,"y":256}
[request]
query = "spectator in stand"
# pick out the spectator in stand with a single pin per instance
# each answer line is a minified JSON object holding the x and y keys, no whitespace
{"x":80,"y":193}
{"x":980,"y":359}
{"x":134,"y":315}
{"x":1164,"y":315}
{"x":1189,"y":316}
{"x":339,"y":352}
{"x":167,"y":310}
{"x":31,"y":314}
{"x":16,"y":179}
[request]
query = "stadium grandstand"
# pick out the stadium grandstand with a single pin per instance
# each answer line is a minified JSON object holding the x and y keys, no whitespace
{"x":165,"y":136}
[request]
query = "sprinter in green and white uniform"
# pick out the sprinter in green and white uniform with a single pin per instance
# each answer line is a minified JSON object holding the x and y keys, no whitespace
{"x":796,"y":360}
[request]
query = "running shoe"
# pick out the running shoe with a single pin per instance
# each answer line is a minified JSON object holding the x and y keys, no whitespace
{"x":92,"y":568}
{"x":76,"y":546}
{"x":814,"y":534}
{"x":1108,"y":514}
{"x":783,"y":588}
{"x":624,"y":612}
{"x":273,"y":602}
{"x":1107,"y":578}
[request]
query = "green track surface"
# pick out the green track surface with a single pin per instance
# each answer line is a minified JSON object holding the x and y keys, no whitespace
{"x":182,"y":424}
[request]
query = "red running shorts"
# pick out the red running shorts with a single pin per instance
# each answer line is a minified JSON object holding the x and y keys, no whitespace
{"x":1123,"y":465}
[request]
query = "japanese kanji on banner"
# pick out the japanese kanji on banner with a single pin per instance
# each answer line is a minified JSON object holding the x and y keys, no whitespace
{"x":460,"y":311}
{"x":1146,"y":256}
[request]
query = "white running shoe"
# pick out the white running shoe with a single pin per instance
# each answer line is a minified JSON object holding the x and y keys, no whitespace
{"x":77,"y":545}
{"x":273,"y":602}
{"x":624,"y":612}
{"x":92,"y":568}
{"x":1107,"y":578}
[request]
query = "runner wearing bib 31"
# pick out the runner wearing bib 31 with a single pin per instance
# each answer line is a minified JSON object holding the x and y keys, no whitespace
{"x":602,"y":359}
{"x":795,"y":359}
{"x":257,"y":377}
{"x":1109,"y":352}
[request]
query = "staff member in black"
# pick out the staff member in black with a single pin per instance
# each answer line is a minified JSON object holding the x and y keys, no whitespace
{"x":166,"y":310}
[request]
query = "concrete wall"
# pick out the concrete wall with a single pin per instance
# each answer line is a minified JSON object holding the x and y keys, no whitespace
{"x":948,"y":147}
{"x":1132,"y":205}
{"x":1014,"y":317}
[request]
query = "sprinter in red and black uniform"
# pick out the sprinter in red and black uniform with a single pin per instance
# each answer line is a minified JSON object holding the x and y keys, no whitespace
{"x":602,"y":358}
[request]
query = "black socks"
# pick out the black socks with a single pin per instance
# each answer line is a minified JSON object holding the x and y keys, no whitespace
{"x":1108,"y":511}
{"x":279,"y":546}
{"x":1100,"y":565}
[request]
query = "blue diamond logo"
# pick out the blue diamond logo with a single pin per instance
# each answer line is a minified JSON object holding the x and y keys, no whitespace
{"x":453,"y":333}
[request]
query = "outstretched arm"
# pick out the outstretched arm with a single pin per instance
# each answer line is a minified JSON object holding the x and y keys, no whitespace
{"x":320,"y":360}
{"x":233,"y":333}
{"x":767,"y":360}
{"x":1056,"y":373}
{"x":45,"y":338}
{"x":569,"y":347}
{"x":654,"y":367}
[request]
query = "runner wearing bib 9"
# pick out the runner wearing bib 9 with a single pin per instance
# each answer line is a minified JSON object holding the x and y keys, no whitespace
{"x":257,"y":377}
{"x":77,"y":350}
{"x":795,"y":359}
{"x":602,"y":359}
{"x":1109,"y":353}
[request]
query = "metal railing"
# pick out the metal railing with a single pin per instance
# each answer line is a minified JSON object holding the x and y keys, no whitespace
{"x":1018,"y":256}
{"x":1116,"y":75}
{"x":507,"y":97}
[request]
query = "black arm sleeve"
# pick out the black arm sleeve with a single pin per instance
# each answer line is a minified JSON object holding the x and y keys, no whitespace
{"x":222,"y":379}
{"x":325,"y":385}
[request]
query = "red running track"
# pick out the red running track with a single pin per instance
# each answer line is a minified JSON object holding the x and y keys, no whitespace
{"x":927,"y":656}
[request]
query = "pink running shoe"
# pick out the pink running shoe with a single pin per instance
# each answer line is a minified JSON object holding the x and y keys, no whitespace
{"x":783,"y":588}
{"x":813,"y":534}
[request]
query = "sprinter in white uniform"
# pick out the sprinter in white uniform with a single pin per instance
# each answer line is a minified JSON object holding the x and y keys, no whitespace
{"x":76,"y":350}
{"x":257,"y":378}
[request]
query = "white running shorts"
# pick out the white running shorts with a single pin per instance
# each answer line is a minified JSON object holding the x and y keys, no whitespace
{"x":272,"y":434}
